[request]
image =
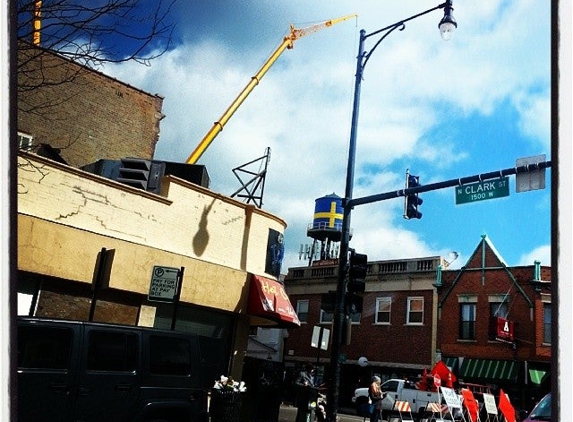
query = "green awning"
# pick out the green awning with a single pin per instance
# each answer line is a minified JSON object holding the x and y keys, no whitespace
{"x":536,"y":376}
{"x":489,"y":370}
{"x":451,"y":363}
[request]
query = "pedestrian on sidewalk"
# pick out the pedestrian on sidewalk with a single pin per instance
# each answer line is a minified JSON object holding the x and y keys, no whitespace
{"x":375,"y":394}
{"x":305,"y":392}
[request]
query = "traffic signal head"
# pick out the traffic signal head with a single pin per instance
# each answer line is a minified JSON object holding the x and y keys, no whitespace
{"x":412,"y":201}
{"x":352,"y":304}
{"x":357,"y":272}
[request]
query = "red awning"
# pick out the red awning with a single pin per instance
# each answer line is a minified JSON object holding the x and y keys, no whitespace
{"x":268,"y":299}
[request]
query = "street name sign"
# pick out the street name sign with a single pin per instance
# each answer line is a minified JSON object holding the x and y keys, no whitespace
{"x":163,"y":286}
{"x":480,"y":191}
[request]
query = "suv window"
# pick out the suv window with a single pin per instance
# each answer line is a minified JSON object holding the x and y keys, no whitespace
{"x":169,"y":356}
{"x":112,"y":351}
{"x":391,"y":386}
{"x":42,"y":348}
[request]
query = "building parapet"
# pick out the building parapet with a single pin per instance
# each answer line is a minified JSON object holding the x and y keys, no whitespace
{"x":413,"y":265}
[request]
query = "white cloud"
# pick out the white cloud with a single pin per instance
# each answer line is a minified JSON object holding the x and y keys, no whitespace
{"x":302,"y":108}
{"x":541,"y":254}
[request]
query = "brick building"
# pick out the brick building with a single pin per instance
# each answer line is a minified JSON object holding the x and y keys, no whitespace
{"x":396,"y":330}
{"x":417,"y":311}
{"x":512,"y":353}
{"x":82,"y":114}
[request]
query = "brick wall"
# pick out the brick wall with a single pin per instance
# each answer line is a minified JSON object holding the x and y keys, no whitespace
{"x":528,"y":328}
{"x":85,"y":114}
{"x":397,"y":342}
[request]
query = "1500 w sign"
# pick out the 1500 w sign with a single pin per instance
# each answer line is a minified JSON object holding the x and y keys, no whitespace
{"x":480,"y":191}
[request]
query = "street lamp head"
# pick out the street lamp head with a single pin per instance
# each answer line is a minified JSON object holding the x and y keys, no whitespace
{"x":448,"y":23}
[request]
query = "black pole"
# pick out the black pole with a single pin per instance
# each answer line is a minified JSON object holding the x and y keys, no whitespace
{"x":177,"y":297}
{"x":321,"y":330}
{"x":334,"y":378}
{"x":347,"y":204}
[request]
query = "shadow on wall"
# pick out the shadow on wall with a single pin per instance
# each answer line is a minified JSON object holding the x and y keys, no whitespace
{"x":201,"y":238}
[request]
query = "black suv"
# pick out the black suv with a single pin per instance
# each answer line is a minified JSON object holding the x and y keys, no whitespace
{"x":80,"y":371}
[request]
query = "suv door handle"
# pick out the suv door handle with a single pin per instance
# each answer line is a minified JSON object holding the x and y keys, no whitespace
{"x":59,"y":386}
{"x":123,"y":387}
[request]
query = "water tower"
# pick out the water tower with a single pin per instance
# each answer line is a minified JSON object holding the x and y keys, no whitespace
{"x":325,"y":229}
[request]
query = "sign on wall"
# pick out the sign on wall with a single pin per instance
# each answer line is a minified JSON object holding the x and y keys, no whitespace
{"x":504,"y":330}
{"x":163,"y":286}
{"x":275,"y":253}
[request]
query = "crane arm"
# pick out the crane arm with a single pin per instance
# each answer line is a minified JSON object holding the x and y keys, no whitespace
{"x":288,"y":42}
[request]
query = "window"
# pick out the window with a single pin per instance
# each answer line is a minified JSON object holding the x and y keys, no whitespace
{"x":391,"y":386}
{"x":415,"y":310}
{"x":44,"y":348}
{"x":112,"y":351}
{"x":25,"y":141}
{"x":383,"y":308}
{"x":547,"y":323}
{"x":355,"y":318}
{"x":498,"y":309}
{"x":169,"y":356}
{"x":302,"y":310}
{"x":326,"y":317}
{"x":467,"y":321}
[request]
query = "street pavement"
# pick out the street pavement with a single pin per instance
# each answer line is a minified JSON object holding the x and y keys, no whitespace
{"x":287,"y":413}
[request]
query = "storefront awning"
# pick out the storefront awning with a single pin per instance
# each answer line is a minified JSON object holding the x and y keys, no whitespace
{"x":489,"y":370}
{"x":268,"y":300}
{"x":451,"y":363}
{"x":537,"y":376}
{"x":539,"y":372}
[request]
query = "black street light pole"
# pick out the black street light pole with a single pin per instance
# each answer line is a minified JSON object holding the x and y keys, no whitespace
{"x":446,"y":26}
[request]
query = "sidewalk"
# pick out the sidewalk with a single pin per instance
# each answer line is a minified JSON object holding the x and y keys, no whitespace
{"x":287,"y":413}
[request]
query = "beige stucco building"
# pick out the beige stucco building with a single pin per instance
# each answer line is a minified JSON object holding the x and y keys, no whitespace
{"x":87,"y":245}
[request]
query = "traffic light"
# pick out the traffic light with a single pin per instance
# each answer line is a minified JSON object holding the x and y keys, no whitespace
{"x":413,"y":201}
{"x":357,"y":272}
{"x":352,"y":304}
{"x":328,"y":302}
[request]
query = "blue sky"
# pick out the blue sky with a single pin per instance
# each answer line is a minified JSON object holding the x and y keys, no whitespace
{"x":443,"y":110}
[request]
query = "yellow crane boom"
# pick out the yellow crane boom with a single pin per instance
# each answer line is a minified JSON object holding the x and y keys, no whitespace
{"x":288,"y":42}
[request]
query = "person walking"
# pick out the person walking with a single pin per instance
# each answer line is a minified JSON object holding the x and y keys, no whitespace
{"x":375,"y":394}
{"x":305,"y":392}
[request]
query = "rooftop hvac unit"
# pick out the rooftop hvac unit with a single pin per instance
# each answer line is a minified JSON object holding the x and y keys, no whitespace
{"x":142,"y":174}
{"x":147,"y":174}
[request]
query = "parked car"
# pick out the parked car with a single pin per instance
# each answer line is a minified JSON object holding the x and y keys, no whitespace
{"x":71,"y":371}
{"x":541,"y":411}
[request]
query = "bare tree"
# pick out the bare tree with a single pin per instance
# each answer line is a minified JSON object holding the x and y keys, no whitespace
{"x":97,"y":31}
{"x":60,"y":39}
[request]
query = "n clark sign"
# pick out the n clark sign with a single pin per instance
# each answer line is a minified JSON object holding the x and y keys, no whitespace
{"x":482,"y":190}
